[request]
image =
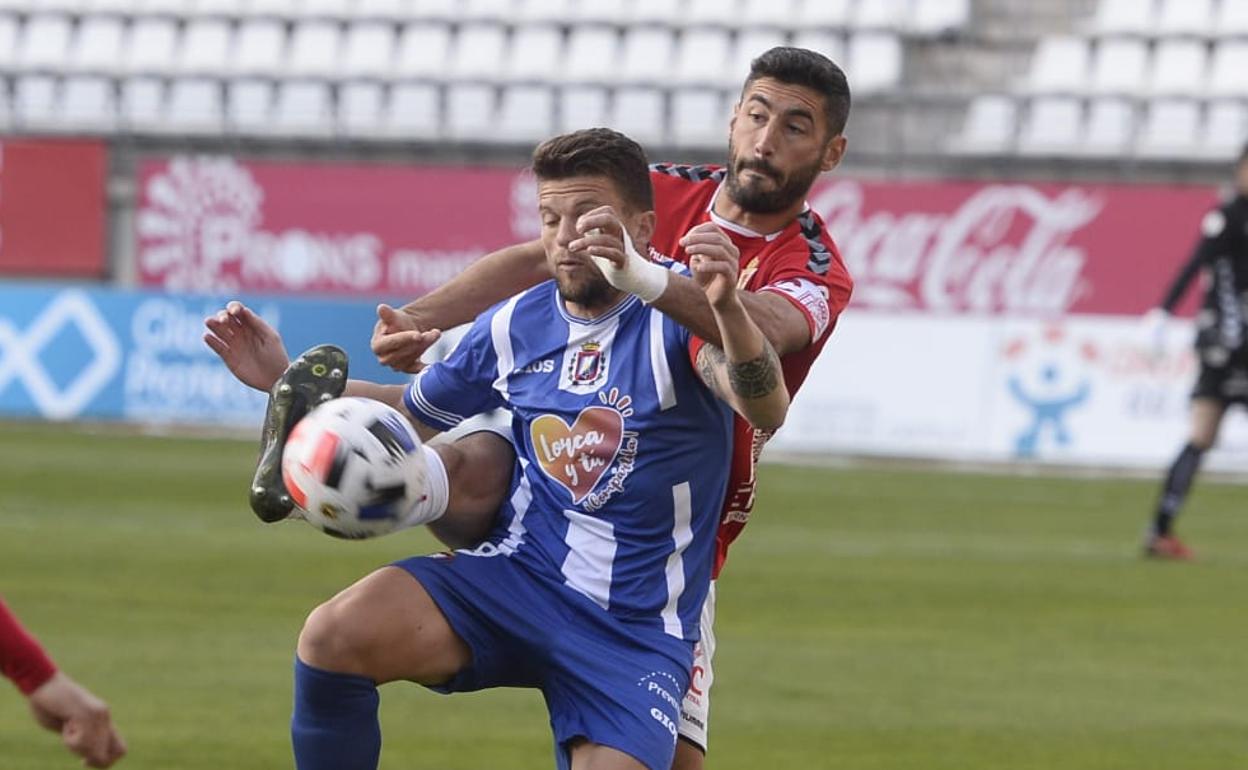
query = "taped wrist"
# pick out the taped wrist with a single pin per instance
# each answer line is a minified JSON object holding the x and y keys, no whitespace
{"x":638,"y":276}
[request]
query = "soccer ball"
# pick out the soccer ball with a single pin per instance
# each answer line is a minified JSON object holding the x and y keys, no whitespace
{"x":355,"y":467}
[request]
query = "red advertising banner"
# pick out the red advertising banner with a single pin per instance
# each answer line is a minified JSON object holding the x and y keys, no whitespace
{"x":221,"y":224}
{"x":52,"y":208}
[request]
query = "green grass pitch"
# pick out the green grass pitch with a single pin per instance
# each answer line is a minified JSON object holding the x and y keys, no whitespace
{"x":869,"y":619}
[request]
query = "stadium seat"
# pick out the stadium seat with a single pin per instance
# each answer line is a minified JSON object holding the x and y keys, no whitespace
{"x":748,"y":45}
{"x":303,"y":108}
{"x":424,"y":49}
{"x":1185,"y":17}
{"x":368,"y":50}
{"x":269,"y":9}
{"x":259,"y":47}
{"x":638,"y":112}
{"x":1169,"y":129}
{"x":582,"y":107}
{"x":194,"y":106}
{"x":152,"y":46}
{"x":699,"y":118}
{"x":414,"y":111}
{"x":526,"y":113}
{"x":249,"y":105}
{"x":592,"y":55}
{"x":1060,"y":65}
{"x":939,"y":17}
{"x":35,"y":101}
{"x":332,"y":10}
{"x":381,"y":10}
{"x":990,"y":125}
{"x":1123,"y":17}
{"x":478,"y":51}
{"x":1178,"y":67}
{"x":360,"y":108}
{"x":88,"y":103}
{"x":8,"y":40}
{"x":434,"y":10}
{"x":142,"y":103}
{"x":1232,"y":19}
{"x":492,"y":11}
{"x":535,"y":53}
{"x":592,"y":12}
{"x":721,"y":13}
{"x":879,"y":15}
{"x":647,"y":55}
{"x":44,"y":43}
{"x":470,"y":111}
{"x":205,"y":47}
{"x":829,"y":44}
{"x":769,"y":16}
{"x":314,"y":50}
{"x":875,"y":61}
{"x":1230,"y":62}
{"x":218,"y":9}
{"x":97,"y":45}
{"x":825,"y":13}
{"x":1119,"y":66}
{"x":1111,"y":122}
{"x":1053,"y":126}
{"x":545,"y":11}
{"x":1225,"y":128}
{"x":702,"y":56}
{"x":654,"y":12}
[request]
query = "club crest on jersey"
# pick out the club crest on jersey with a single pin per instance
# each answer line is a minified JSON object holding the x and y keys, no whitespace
{"x":587,"y":364}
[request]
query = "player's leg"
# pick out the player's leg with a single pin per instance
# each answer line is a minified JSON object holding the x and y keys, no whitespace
{"x":383,"y":628}
{"x":478,"y":470}
{"x":695,"y":707}
{"x":1206,"y":418}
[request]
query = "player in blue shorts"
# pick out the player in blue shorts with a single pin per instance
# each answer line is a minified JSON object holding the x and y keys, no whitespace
{"x":591,"y":584}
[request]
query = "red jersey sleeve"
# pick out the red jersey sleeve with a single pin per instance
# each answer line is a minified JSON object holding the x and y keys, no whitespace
{"x":21,"y":658}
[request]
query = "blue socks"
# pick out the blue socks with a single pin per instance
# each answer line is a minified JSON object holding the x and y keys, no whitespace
{"x":334,"y":725}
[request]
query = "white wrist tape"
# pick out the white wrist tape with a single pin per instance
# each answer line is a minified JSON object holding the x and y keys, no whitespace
{"x":437,"y":492}
{"x":639,"y":275}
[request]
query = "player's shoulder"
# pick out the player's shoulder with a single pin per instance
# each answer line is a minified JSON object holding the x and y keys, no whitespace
{"x":815,"y":244}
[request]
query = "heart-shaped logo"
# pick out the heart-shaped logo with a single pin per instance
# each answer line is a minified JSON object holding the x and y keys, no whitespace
{"x":578,"y":455}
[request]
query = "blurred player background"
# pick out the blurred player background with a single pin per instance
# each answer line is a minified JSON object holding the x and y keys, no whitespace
{"x":944,"y":569}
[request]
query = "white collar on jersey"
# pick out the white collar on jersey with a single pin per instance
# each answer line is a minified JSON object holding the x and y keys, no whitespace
{"x":738,"y":229}
{"x":626,"y":301}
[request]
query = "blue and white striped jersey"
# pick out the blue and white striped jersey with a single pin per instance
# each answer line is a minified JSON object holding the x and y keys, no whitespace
{"x":623,"y":452}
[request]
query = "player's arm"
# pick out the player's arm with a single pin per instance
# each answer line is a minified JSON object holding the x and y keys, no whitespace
{"x":401,"y":336}
{"x":681,"y":298}
{"x":1213,"y":230}
{"x":744,"y":370}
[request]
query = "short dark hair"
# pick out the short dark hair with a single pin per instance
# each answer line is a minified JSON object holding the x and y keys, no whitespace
{"x":803,"y":67}
{"x":598,"y":152}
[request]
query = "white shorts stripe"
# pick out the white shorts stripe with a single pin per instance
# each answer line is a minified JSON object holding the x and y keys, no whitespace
{"x":663,"y":383}
{"x":682,"y":535}
{"x":591,"y":556}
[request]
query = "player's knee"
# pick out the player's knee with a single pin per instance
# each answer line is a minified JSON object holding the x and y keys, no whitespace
{"x":688,"y":756}
{"x":332,"y":640}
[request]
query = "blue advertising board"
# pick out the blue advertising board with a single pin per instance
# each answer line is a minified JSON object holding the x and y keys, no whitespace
{"x":74,"y":352}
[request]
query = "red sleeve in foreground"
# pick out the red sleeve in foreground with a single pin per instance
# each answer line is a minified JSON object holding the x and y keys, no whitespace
{"x":21,"y":657}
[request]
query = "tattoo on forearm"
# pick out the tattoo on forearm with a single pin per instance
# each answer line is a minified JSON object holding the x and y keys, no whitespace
{"x":749,"y":379}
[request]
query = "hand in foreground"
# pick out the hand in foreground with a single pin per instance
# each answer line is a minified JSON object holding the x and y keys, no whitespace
{"x":249,"y":346}
{"x":1155,"y":325}
{"x":86,"y":727}
{"x":399,"y":342}
{"x":714,"y":261}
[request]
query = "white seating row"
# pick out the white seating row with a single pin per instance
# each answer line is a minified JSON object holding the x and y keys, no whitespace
{"x":1129,"y":66}
{"x":1170,"y":127}
{"x":1171,"y":18}
{"x":103,"y":45}
{"x":920,"y":17}
{"x":415,"y":111}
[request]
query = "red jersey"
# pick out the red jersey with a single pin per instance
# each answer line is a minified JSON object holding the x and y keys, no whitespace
{"x":800,"y":263}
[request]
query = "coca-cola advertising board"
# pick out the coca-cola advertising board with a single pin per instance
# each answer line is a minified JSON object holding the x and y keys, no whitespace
{"x":52,"y":208}
{"x":223,"y":224}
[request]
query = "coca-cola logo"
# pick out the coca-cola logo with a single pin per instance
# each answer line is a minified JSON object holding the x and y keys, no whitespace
{"x":1005,"y":249}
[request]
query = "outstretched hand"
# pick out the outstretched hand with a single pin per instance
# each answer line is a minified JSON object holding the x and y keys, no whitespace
{"x":83,"y":720}
{"x":399,"y":342}
{"x":714,"y":261}
{"x":249,"y":346}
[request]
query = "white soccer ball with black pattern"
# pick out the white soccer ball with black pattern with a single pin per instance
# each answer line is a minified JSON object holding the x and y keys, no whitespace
{"x":354,"y":467}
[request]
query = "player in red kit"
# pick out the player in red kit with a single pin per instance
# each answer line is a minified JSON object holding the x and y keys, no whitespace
{"x":57,"y":702}
{"x":786,"y":130}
